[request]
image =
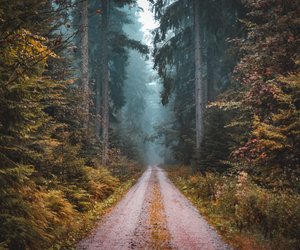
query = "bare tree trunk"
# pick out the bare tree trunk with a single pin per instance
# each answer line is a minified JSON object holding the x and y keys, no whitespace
{"x":105,"y":81}
{"x":205,"y":64}
{"x":199,"y":86}
{"x":98,"y":106}
{"x":85,"y":64}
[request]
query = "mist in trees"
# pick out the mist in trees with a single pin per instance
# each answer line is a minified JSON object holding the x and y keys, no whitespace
{"x":142,"y":110}
{"x":87,"y":99}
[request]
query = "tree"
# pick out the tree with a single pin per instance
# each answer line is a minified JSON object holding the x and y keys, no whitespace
{"x":132,"y":121}
{"x":112,"y":52}
{"x":180,"y":42}
{"x":105,"y":80}
{"x":199,"y":84}
{"x":28,"y":119}
{"x":85,"y":63}
{"x":264,"y":85}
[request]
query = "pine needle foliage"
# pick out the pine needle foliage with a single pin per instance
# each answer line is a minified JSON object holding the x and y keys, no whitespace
{"x":45,"y":185}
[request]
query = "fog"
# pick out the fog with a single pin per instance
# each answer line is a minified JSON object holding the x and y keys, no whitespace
{"x":143,"y":111}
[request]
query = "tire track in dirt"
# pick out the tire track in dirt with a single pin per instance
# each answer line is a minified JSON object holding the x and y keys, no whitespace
{"x":157,"y":218}
{"x":123,"y":227}
{"x":188,"y":230}
{"x":153,"y":215}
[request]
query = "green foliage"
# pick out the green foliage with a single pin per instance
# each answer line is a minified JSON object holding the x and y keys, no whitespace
{"x":237,"y":207}
{"x":46,"y":189}
{"x":266,"y":85}
{"x":59,"y":205}
{"x":215,"y":149}
{"x":100,"y":183}
{"x":118,"y":51}
{"x":174,"y":61}
{"x":125,"y":169}
{"x":23,"y":224}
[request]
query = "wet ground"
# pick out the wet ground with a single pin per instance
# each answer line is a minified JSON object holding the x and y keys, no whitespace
{"x":153,"y":215}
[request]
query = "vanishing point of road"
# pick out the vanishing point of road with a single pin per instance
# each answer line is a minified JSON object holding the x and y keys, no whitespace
{"x":153,"y":215}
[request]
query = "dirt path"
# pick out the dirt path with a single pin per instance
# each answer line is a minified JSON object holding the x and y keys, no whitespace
{"x":153,"y":215}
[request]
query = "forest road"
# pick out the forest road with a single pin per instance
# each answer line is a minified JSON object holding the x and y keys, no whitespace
{"x":135,"y":224}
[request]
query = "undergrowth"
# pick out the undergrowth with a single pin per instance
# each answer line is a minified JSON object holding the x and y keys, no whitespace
{"x":88,"y":220}
{"x":246,"y":215}
{"x":55,"y":214}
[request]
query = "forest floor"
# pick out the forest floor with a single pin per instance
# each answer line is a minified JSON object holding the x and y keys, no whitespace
{"x":153,"y":215}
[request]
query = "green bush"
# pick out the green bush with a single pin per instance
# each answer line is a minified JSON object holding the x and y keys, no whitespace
{"x":226,"y":199}
{"x":78,"y":196}
{"x":125,"y":169}
{"x":56,"y":202}
{"x":245,"y":206}
{"x":273,"y":214}
{"x":204,"y":185}
{"x":100,"y":182}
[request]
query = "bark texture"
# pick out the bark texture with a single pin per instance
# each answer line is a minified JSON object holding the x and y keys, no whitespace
{"x":98,"y":107}
{"x":105,"y":81}
{"x":199,"y":86}
{"x":85,"y":63}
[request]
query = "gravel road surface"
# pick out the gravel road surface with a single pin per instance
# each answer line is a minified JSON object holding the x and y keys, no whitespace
{"x":130,"y":224}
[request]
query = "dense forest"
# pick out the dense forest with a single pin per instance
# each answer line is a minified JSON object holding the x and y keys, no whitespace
{"x":86,"y":104}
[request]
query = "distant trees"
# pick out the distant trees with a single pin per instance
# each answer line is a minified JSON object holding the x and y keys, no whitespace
{"x":108,"y":46}
{"x":193,"y":60}
{"x":132,"y":122}
{"x":174,"y":61}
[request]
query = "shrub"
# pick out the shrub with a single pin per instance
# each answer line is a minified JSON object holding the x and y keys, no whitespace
{"x":61,"y":208}
{"x":205,"y":185}
{"x":80,"y":197}
{"x":226,"y":199}
{"x":125,"y":169}
{"x":273,"y":214}
{"x":100,"y":182}
{"x":244,"y":205}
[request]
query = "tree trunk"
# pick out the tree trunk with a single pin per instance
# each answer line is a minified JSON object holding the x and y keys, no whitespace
{"x":98,"y":105}
{"x":199,"y":86}
{"x":205,"y":64}
{"x":85,"y":64}
{"x":105,"y":81}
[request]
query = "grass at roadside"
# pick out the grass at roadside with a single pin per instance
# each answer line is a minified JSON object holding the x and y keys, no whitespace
{"x":85,"y":221}
{"x":246,"y":216}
